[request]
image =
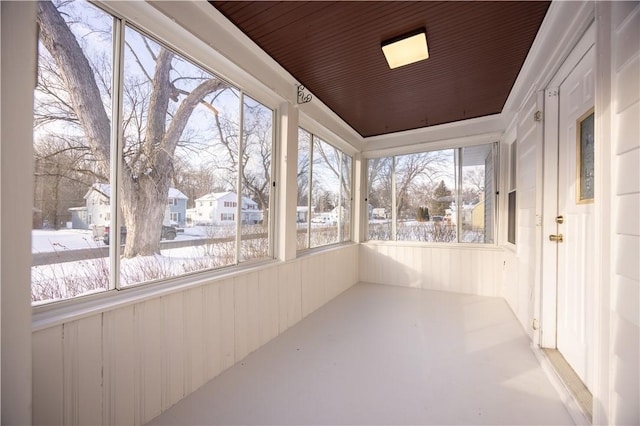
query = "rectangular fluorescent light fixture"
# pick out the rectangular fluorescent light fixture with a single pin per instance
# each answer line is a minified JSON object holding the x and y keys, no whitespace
{"x":406,"y":49}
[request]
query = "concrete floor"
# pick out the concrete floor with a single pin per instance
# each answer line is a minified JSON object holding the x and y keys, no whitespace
{"x":385,"y":355}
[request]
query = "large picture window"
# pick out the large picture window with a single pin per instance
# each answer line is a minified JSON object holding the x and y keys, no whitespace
{"x":324,"y":193}
{"x":147,"y":166}
{"x":435,"y":196}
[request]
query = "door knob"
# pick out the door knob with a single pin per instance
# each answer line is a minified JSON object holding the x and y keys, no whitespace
{"x":557,"y":238}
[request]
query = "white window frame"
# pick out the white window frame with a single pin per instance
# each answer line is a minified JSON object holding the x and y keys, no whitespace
{"x":153,"y":24}
{"x":458,"y":194}
{"x":341,"y":236}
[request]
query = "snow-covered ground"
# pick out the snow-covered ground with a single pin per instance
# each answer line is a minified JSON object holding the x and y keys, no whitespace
{"x":48,"y":240}
{"x":58,"y":280}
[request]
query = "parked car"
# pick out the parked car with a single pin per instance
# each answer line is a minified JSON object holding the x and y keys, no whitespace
{"x":167,"y":233}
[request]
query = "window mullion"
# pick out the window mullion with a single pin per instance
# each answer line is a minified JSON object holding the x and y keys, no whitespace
{"x":239,"y":184}
{"x":458,"y":191}
{"x":311,"y":150}
{"x":116,"y":151}
{"x":394,"y":204}
{"x":271,"y":223}
{"x":496,"y":163}
{"x":340,"y":196}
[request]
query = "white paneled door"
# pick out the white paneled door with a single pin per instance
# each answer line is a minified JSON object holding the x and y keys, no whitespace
{"x":575,"y":221}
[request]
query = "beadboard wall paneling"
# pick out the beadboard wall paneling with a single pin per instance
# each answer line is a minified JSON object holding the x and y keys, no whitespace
{"x":625,"y":286}
{"x":128,"y":365}
{"x":471,"y":270}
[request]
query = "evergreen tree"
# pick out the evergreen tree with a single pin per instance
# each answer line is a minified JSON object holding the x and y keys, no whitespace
{"x":441,"y":199}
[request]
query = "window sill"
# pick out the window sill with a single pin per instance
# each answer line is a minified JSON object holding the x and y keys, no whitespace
{"x":465,"y":246}
{"x":59,"y":312}
{"x":329,"y":247}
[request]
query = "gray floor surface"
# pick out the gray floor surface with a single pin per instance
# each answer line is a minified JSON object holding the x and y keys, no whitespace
{"x":385,"y":355}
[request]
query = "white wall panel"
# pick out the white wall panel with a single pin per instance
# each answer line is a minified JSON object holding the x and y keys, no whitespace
{"x":212,"y":323}
{"x":173,"y":349}
{"x":227,"y":318}
{"x":82,"y":367}
{"x":194,"y":339}
{"x":520,"y":267}
{"x":473,"y":270}
{"x":289,"y":295}
{"x":148,"y":344}
{"x":127,"y":365}
{"x":626,"y":126}
{"x":242,"y":317}
{"x":268,"y":305}
{"x":627,"y":167}
{"x":48,"y":377}
{"x":627,"y":214}
{"x":625,"y":285}
{"x":121,"y":360}
{"x":627,"y":85}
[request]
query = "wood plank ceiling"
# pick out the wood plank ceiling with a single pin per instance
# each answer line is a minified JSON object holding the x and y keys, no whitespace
{"x":476,"y":50}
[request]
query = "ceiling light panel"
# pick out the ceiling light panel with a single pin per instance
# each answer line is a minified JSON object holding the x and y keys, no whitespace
{"x":406,"y":49}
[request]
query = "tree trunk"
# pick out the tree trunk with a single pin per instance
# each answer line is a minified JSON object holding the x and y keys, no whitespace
{"x":143,"y":205}
{"x":145,"y":184}
{"x":80,"y":80}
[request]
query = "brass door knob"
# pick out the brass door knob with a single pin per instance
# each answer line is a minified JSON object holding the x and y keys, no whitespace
{"x":557,"y":238}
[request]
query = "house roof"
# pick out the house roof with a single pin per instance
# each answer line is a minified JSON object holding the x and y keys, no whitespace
{"x":333,"y":49}
{"x":215,"y":196}
{"x":105,"y":189}
{"x":177,"y":194}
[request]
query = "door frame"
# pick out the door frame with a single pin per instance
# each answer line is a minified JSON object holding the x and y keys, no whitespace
{"x":549,"y":284}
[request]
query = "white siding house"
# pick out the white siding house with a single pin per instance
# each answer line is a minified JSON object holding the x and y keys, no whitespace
{"x":97,"y":201}
{"x":98,"y":206}
{"x":221,"y":208}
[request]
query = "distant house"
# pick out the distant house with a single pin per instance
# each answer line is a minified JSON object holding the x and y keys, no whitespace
{"x":97,"y":203}
{"x":221,"y":208}
{"x":302,"y":214}
{"x":379,"y":213}
{"x":79,"y":218}
{"x":97,"y":209}
{"x":177,"y":203}
{"x":342,"y":213}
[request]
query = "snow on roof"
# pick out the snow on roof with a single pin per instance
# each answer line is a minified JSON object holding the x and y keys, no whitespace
{"x":175,"y":193}
{"x":101,"y":188}
{"x":105,"y":189}
{"x":215,"y":196}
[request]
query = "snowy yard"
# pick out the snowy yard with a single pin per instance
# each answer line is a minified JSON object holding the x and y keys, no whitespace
{"x":50,"y":240}
{"x":69,"y":262}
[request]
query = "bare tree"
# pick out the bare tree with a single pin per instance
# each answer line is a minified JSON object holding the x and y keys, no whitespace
{"x":149,"y":150}
{"x":62,"y":174}
{"x":411,"y":172}
{"x":379,"y":172}
{"x":195,"y":181}
{"x":304,"y":167}
{"x":256,"y":156}
{"x":473,"y":184}
{"x":334,"y":159}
